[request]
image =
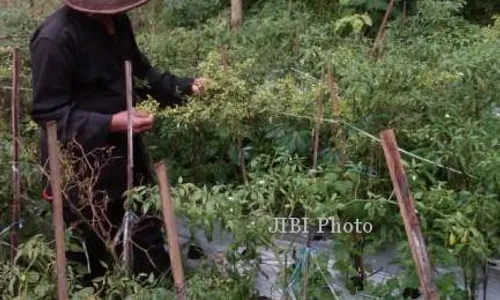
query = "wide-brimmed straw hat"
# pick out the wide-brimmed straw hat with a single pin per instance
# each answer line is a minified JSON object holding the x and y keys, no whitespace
{"x":104,"y":6}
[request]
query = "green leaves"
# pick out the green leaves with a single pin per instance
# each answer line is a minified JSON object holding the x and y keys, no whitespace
{"x":435,"y":83}
{"x":356,"y":22}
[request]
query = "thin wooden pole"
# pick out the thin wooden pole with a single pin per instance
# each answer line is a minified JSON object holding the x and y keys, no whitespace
{"x":337,"y":132}
{"x":241,"y":156}
{"x":14,"y":148}
{"x":169,"y":220}
{"x":236,"y":13}
{"x":485,"y":280}
{"x":57,"y":209}
{"x":319,"y":116}
{"x":319,"y":121}
{"x":407,"y":210}
{"x":127,"y":232}
{"x":381,"y":30}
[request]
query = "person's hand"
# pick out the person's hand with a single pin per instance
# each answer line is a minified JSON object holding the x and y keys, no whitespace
{"x":197,"y":86}
{"x":141,"y":121}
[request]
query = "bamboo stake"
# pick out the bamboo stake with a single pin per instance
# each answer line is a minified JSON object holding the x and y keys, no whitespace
{"x":319,"y":117}
{"x":340,"y":139}
{"x":381,"y":30}
{"x":57,"y":210}
{"x":485,"y":281}
{"x":236,"y":13}
{"x":407,"y":210}
{"x":358,"y":261}
{"x":285,"y":290}
{"x":14,"y":148}
{"x":241,"y":156}
{"x":169,"y":220}
{"x":127,"y":232}
{"x":332,"y":89}
{"x":305,"y":267}
{"x":337,"y":132}
{"x":319,"y":121}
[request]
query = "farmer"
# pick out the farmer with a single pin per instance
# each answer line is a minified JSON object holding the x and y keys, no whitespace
{"x":77,"y":61}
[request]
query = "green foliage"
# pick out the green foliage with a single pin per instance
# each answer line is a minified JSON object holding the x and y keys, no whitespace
{"x":435,"y":84}
{"x":191,"y":12}
{"x":30,"y":275}
{"x":481,"y":11}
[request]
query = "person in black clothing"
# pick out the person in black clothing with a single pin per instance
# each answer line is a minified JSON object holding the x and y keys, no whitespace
{"x":77,"y":62}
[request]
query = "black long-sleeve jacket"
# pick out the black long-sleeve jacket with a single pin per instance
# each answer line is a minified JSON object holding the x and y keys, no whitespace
{"x":79,"y":81}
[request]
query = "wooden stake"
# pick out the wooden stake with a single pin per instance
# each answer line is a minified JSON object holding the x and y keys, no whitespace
{"x":14,"y":148}
{"x":407,"y":210}
{"x":236,"y":13}
{"x":358,"y":260}
{"x":319,"y":121}
{"x":127,"y":232}
{"x":169,"y":219}
{"x":57,"y":209}
{"x":337,"y":131}
{"x":241,"y":156}
{"x":381,"y":30}
{"x":319,"y":116}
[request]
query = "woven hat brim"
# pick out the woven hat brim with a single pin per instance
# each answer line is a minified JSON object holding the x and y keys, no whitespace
{"x":104,"y":7}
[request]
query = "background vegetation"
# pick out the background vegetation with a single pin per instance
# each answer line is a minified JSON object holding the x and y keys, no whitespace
{"x":245,"y":147}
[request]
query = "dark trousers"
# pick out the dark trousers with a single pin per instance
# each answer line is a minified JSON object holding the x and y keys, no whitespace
{"x":149,"y":254}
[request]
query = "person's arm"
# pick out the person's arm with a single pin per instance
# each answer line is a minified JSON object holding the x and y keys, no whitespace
{"x":165,"y":87}
{"x":52,"y":67}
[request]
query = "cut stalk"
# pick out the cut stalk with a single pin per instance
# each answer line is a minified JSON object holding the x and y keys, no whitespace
{"x":407,"y":210}
{"x":380,"y":34}
{"x":57,"y":209}
{"x":337,"y":132}
{"x":241,"y":156}
{"x":167,"y":209}
{"x":127,"y":232}
{"x":236,"y":13}
{"x":319,"y":116}
{"x":14,"y":147}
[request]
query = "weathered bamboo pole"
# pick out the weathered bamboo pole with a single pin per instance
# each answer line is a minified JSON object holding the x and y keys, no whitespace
{"x":127,"y":232}
{"x":14,"y":149}
{"x":236,"y":13}
{"x":57,"y":209}
{"x":340,"y":140}
{"x":359,"y":280}
{"x":407,"y":210}
{"x":317,"y":127}
{"x":319,"y":116}
{"x":337,"y":132}
{"x":380,"y":34}
{"x":241,"y":157}
{"x":167,"y":209}
{"x":485,"y":280}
